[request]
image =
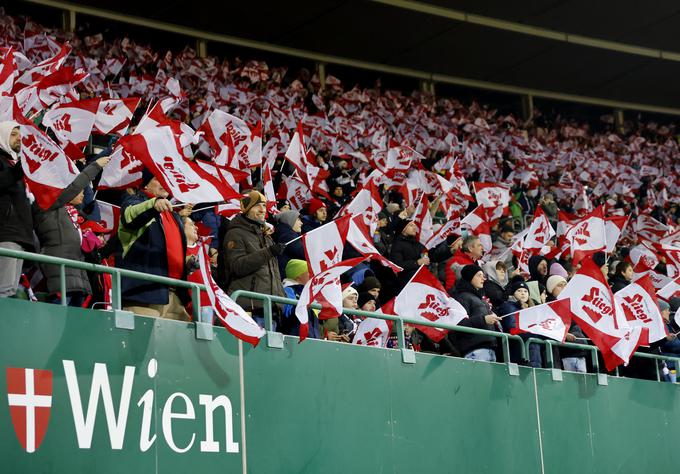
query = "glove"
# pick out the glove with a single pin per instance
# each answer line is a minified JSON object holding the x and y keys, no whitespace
{"x":192,"y":264}
{"x":277,"y":249}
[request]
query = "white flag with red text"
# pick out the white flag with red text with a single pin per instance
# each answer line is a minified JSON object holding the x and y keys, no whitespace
{"x":551,"y":319}
{"x":424,"y":298}
{"x":638,"y":301}
{"x":72,"y":124}
{"x":477,"y":223}
{"x":114,"y":115}
{"x":358,"y":237}
{"x":588,"y":235}
{"x":324,"y":245}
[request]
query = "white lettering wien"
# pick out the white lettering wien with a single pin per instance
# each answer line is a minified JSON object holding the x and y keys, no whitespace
{"x":84,"y":424}
{"x":84,"y":419}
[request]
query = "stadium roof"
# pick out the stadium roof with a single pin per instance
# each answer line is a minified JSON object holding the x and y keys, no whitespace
{"x":621,"y":54}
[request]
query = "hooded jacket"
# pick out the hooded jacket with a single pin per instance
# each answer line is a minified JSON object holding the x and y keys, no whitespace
{"x":15,"y":208}
{"x":494,"y":287}
{"x":250,"y":264}
{"x":533,"y":263}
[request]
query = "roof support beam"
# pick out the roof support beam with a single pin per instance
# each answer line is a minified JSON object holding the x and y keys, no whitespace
{"x":350,"y":62}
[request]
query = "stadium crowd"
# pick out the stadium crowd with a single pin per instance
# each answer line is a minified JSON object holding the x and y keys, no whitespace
{"x":431,"y":164}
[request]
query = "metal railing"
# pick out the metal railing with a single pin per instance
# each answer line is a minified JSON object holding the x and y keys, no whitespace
{"x":275,"y":339}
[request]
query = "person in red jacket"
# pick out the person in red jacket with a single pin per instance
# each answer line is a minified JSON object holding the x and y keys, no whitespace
{"x":470,"y":251}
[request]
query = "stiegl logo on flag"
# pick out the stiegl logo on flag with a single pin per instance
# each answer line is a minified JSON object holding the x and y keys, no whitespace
{"x":29,"y":394}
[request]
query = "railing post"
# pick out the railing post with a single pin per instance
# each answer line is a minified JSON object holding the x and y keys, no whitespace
{"x":62,"y":284}
{"x":601,"y":378}
{"x":274,"y":339}
{"x":122,"y":319}
{"x":556,"y":372}
{"x":204,"y":329}
{"x":513,"y":368}
{"x":408,"y":356}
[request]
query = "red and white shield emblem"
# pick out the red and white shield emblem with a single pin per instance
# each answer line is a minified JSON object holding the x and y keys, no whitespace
{"x":29,"y":393}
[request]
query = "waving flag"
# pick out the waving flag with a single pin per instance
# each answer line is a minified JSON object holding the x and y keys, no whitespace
{"x":358,"y":237}
{"x":43,"y":69}
{"x":587,"y":236}
{"x":638,"y":301}
{"x":424,"y":298}
{"x":613,"y":228}
{"x":123,"y":171}
{"x":373,"y":331}
{"x":492,"y":195}
{"x":230,"y":314}
{"x":540,"y":232}
{"x":595,"y":310}
{"x":72,"y":124}
{"x":7,"y":73}
{"x":367,"y":203}
{"x":478,"y":225}
{"x":323,"y":288}
{"x":114,"y":115}
{"x":47,"y":169}
{"x":670,"y":290}
{"x":158,"y":149}
{"x":450,"y":227}
{"x":551,"y":320}
{"x":324,"y":245}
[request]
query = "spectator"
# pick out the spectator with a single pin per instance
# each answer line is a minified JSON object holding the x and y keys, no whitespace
{"x":371,"y":285}
{"x":622,"y":276}
{"x":538,"y":269}
{"x":251,"y":256}
{"x":297,"y":275}
{"x":153,"y":241}
{"x":410,"y":254}
{"x":496,"y":281}
{"x":58,"y":230}
{"x":16,"y":231}
{"x":287,"y":229}
{"x":317,"y":213}
{"x":600,"y":259}
{"x":193,"y":269}
{"x":469,"y":292}
{"x":557,"y":269}
{"x":554,"y":286}
{"x":470,"y":251}
{"x":342,"y":328}
{"x":367,"y":302}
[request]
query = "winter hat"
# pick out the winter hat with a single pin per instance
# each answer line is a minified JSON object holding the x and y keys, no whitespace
{"x":251,"y":200}
{"x":599,"y":258}
{"x":663,"y":305}
{"x":95,"y":227}
{"x":365,"y":298}
{"x":314,"y":205}
{"x":295,"y":267}
{"x":5,"y":131}
{"x":369,"y":283}
{"x":558,"y":270}
{"x":147,"y":176}
{"x":399,"y":225}
{"x":516,"y":284}
{"x":349,"y":291}
{"x":553,"y":281}
{"x":469,"y":271}
{"x":288,"y":217}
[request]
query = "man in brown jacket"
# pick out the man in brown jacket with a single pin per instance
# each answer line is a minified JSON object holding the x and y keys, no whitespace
{"x":250,"y":256}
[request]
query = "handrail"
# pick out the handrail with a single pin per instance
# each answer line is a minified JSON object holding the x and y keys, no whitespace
{"x":594,"y":350}
{"x":115,"y":272}
{"x":269,"y":299}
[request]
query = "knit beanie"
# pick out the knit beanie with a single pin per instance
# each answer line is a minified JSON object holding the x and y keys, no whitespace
{"x":600,"y":258}
{"x":288,"y":217}
{"x":251,"y":200}
{"x":399,"y":225}
{"x":557,"y":269}
{"x":369,"y":283}
{"x":349,"y":291}
{"x":553,"y":281}
{"x":314,"y":205}
{"x":147,"y":176}
{"x":295,"y":268}
{"x":663,"y":305}
{"x":516,"y":284}
{"x":469,"y":271}
{"x":365,"y":298}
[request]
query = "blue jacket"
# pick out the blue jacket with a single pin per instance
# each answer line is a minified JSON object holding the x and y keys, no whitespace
{"x":290,"y":323}
{"x":144,"y":249}
{"x":285,"y":233}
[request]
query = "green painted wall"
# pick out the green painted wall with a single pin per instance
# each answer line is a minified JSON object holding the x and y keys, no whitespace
{"x":326,"y":407}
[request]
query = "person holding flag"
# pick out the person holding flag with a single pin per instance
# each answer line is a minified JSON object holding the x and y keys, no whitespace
{"x":251,"y":256}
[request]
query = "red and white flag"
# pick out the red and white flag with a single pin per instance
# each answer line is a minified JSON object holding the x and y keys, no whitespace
{"x":642,"y":258}
{"x":598,"y":314}
{"x":47,"y":169}
{"x":540,"y":232}
{"x":551,"y":320}
{"x":157,"y":148}
{"x":72,"y":124}
{"x":110,"y":215}
{"x":450,"y":227}
{"x":373,"y":332}
{"x":587,"y":236}
{"x":297,"y":151}
{"x":323,"y":288}
{"x":43,"y":69}
{"x":230,"y":314}
{"x":7,"y":73}
{"x":638,"y":301}
{"x":613,"y":228}
{"x":123,"y":171}
{"x":324,"y":245}
{"x":367,"y":203}
{"x":649,"y":228}
{"x":477,"y":223}
{"x":492,"y":195}
{"x":671,"y":290}
{"x":424,"y":298}
{"x":114,"y":115}
{"x":358,"y":237}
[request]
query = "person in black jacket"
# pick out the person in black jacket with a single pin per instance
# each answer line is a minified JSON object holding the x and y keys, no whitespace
{"x":469,"y":292}
{"x":622,"y":276}
{"x":410,"y":254}
{"x":496,"y":282}
{"x":16,"y":231}
{"x":287,"y":229}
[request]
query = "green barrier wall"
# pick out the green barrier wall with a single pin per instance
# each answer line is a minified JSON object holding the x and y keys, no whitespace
{"x":317,"y":407}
